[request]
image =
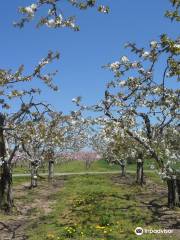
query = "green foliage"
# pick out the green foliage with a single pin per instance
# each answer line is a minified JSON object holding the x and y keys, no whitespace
{"x":105,"y":219}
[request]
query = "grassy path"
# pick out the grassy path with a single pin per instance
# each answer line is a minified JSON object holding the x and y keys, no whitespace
{"x":89,"y":207}
{"x":93,"y":204}
{"x":78,"y":173}
{"x":79,"y":166}
{"x":98,"y":207}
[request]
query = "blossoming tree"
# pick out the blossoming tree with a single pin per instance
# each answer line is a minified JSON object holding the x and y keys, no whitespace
{"x":11,"y":82}
{"x":55,"y":16}
{"x":144,"y":98}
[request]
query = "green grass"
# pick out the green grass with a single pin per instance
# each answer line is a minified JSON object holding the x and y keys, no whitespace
{"x":147,"y":165}
{"x":155,"y":178}
{"x":19,"y":180}
{"x":79,"y":166}
{"x":19,"y":170}
{"x":96,"y":166}
{"x":74,"y":166}
{"x":95,"y":208}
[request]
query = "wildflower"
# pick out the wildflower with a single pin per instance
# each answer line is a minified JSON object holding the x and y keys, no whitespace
{"x":50,"y":236}
{"x":99,"y":227}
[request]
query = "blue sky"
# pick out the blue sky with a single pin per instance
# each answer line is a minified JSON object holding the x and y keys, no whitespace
{"x":100,"y":40}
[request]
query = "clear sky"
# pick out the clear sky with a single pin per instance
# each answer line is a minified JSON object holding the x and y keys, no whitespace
{"x":100,"y":40}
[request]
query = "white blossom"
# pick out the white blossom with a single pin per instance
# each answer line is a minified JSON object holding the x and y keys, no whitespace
{"x":51,"y":23}
{"x":30,"y":9}
{"x":139,"y":160}
{"x":1,"y":163}
{"x":115,"y":65}
{"x":156,"y":90}
{"x":33,"y":6}
{"x":72,"y":24}
{"x":103,"y":9}
{"x":167,"y":152}
{"x":59,"y":19}
{"x":152,"y":166}
{"x":153,"y":44}
{"x":124,"y":59}
{"x":76,"y":100}
{"x":134,"y":64}
{"x":145,"y":54}
{"x":122,"y":83}
{"x":177,"y":46}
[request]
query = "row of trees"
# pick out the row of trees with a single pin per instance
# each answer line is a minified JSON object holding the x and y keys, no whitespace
{"x":140,"y":109}
{"x":37,"y":142}
{"x":29,"y":129}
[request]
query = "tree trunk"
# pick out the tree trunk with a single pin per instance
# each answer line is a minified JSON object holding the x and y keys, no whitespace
{"x":33,"y":175}
{"x":50,"y":170}
{"x":123,"y":170}
{"x":173,"y":192}
{"x":6,"y":198}
{"x":178,"y":189}
{"x":140,"y":172}
{"x":88,"y":163}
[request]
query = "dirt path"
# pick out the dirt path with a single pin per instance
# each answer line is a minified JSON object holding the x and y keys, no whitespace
{"x":30,"y":204}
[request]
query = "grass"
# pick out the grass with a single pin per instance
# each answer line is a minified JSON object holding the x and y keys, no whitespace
{"x":19,"y":180}
{"x":96,"y":166}
{"x":89,"y":207}
{"x":79,"y":166}
{"x":95,"y":208}
{"x":73,"y":166}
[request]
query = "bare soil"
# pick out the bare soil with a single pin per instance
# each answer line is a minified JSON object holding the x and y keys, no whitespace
{"x":28,"y":209}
